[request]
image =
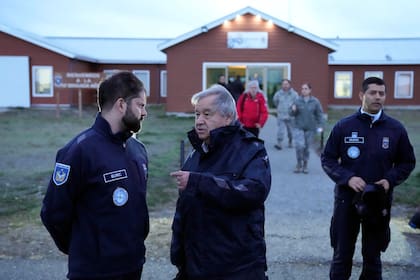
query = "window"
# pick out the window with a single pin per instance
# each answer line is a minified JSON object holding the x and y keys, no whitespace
{"x":404,"y":84}
{"x":163,"y":81}
{"x":343,"y":83}
{"x":378,"y":74}
{"x":144,"y":76}
{"x":42,"y":81}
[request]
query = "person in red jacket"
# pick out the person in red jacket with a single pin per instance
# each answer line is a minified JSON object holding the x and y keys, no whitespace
{"x":252,"y":108}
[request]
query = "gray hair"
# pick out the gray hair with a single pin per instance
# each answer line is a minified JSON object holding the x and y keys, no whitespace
{"x":224,"y":102}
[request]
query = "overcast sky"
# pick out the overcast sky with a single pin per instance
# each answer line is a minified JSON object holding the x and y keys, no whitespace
{"x":172,"y":18}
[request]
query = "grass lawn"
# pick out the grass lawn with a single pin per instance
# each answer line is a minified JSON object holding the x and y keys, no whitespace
{"x":31,"y":137}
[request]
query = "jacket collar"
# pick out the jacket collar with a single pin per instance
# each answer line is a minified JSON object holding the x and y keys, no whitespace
{"x":103,"y":127}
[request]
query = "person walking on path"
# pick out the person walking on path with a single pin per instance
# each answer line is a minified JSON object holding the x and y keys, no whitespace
{"x":308,"y":118}
{"x":252,"y":108}
{"x":95,"y":206}
{"x":218,"y":226}
{"x":282,"y":100}
{"x":367,"y":155}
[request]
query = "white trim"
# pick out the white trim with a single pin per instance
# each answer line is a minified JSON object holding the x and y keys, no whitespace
{"x":51,"y":91}
{"x":351,"y":85}
{"x":399,"y":74}
{"x":246,"y":10}
{"x":163,"y":83}
{"x":145,"y":80}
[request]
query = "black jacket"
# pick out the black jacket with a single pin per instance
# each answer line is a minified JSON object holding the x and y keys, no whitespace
{"x":218,"y":226}
{"x":372,"y":151}
{"x":95,"y":205}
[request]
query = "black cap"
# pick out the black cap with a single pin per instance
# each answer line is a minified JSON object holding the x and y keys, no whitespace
{"x":374,"y":196}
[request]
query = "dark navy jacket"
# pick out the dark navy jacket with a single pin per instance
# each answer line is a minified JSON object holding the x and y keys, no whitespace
{"x":372,"y":151}
{"x":95,"y":205}
{"x":218,"y":226}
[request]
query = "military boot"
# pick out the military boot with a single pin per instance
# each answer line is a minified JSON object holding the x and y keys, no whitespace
{"x":298,"y":168}
{"x":305,"y":167}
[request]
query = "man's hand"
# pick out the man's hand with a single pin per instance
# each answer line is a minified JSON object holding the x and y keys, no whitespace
{"x":384,"y":183}
{"x":357,"y":184}
{"x":181,"y":178}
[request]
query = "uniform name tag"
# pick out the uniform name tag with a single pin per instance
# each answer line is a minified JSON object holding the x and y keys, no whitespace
{"x":115,"y":175}
{"x":354,"y":139}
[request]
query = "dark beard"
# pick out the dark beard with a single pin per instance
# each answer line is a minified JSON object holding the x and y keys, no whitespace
{"x":131,"y":122}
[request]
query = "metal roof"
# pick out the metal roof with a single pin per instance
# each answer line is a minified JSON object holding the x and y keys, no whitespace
{"x":390,"y":51}
{"x":113,"y":50}
{"x":246,"y":10}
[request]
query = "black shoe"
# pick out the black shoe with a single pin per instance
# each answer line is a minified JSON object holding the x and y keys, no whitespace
{"x":278,"y":146}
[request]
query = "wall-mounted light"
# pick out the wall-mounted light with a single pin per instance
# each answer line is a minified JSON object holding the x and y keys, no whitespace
{"x":204,"y":29}
{"x":291,"y":28}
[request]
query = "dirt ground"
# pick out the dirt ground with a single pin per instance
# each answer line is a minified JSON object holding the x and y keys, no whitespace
{"x":30,"y":240}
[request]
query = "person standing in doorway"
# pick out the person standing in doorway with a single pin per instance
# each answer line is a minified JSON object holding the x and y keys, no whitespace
{"x":236,"y":88}
{"x":218,"y":226}
{"x":252,"y":108}
{"x":367,"y":155}
{"x":308,"y":118}
{"x":95,"y":205}
{"x":282,"y":100}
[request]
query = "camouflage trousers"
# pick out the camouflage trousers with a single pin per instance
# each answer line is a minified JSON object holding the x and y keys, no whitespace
{"x":302,"y":139}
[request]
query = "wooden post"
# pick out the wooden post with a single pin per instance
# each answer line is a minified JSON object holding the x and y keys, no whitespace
{"x":57,"y":107}
{"x":80,"y":102}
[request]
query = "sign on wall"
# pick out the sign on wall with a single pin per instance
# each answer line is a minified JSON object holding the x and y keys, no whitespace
{"x":78,"y":80}
{"x":247,"y":40}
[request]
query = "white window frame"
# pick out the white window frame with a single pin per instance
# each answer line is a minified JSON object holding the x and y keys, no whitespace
{"x":163,"y":83}
{"x":398,"y":89}
{"x":336,"y":73}
{"x":50,"y":93}
{"x":378,"y":74}
{"x":144,"y":76}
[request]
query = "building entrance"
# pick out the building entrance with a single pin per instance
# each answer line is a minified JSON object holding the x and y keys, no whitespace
{"x":269,"y":75}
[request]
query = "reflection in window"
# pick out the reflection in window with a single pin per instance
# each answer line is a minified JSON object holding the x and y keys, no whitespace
{"x":163,"y":81}
{"x":404,"y":84}
{"x":378,"y":74}
{"x":343,"y":82}
{"x":42,"y":81}
{"x":144,"y":76}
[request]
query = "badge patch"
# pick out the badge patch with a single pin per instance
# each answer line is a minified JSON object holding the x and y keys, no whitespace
{"x":115,"y":175}
{"x":61,"y":173}
{"x":385,"y":142}
{"x":354,"y":138}
{"x":353,"y":152}
{"x":120,"y":196}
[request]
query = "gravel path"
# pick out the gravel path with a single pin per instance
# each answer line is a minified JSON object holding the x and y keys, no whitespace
{"x":298,"y":213}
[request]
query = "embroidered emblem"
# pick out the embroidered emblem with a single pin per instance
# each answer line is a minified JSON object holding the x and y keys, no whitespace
{"x":145,"y":170}
{"x":120,"y":196}
{"x":385,"y":142}
{"x":115,"y":175}
{"x":61,"y":173}
{"x":354,"y":138}
{"x":353,"y":152}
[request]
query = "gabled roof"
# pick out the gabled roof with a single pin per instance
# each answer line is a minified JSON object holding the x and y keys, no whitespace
{"x":394,"y":51}
{"x":114,"y":50}
{"x":247,"y":10}
{"x":34,"y":39}
{"x":97,"y":50}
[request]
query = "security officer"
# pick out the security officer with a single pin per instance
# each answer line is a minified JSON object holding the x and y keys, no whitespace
{"x":95,"y":206}
{"x":366,"y":148}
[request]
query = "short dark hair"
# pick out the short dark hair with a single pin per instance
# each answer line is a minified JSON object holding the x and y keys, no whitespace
{"x":372,"y":80}
{"x":124,"y":85}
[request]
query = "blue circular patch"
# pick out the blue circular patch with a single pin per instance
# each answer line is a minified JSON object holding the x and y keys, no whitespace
{"x":353,"y":152}
{"x":120,"y":196}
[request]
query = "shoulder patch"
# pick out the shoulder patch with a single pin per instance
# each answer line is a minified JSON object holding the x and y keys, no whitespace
{"x":61,"y":173}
